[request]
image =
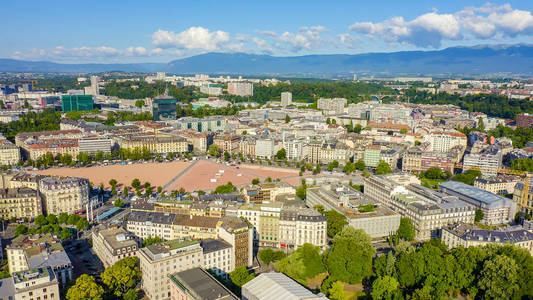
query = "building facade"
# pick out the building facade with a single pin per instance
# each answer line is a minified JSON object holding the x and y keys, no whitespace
{"x":64,"y":194}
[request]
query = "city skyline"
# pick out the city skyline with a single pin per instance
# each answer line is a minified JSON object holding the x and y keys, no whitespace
{"x":143,"y":32}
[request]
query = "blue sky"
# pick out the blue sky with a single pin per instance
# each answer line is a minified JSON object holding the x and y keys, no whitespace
{"x":159,"y":31}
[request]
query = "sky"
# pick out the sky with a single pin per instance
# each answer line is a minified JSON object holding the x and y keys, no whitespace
{"x":110,"y":31}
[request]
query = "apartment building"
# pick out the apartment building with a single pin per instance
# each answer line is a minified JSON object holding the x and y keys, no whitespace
{"x":294,"y":148}
{"x":372,"y":155}
{"x":300,"y":226}
{"x":264,"y":148}
{"x":286,"y":99}
{"x":240,"y":236}
{"x":218,"y":256}
{"x":198,"y":142}
{"x":93,"y":145}
{"x":113,"y":244}
{"x":267,"y":192}
{"x":496,"y":209}
{"x":488,"y":162}
{"x":28,"y":252}
{"x":380,"y":188}
{"x":377,"y":222}
{"x":527,"y":204}
{"x":159,"y":261}
{"x":195,"y":284}
{"x":227,"y":142}
{"x":444,"y":141}
{"x":145,"y":224}
{"x":36,"y":144}
{"x":9,"y":153}
{"x":206,"y":124}
{"x":501,"y":184}
{"x":20,"y":203}
{"x":194,"y":227}
{"x":247,"y":147}
{"x":468,"y":235}
{"x":332,"y":151}
{"x":335,"y":105}
{"x":21,"y":179}
{"x":430,"y":210}
{"x":243,"y":89}
{"x":38,"y":283}
{"x":156,"y":144}
{"x":64,"y":194}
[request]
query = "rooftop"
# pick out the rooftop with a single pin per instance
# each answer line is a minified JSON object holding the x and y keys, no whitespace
{"x":212,"y":245}
{"x":201,"y":285}
{"x":276,"y":286}
{"x":166,"y":247}
{"x":473,"y":192}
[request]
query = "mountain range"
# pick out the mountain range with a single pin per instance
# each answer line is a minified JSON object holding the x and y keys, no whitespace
{"x":476,"y":60}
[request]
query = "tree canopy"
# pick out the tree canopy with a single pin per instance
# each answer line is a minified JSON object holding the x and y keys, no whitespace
{"x":85,"y":288}
{"x":122,"y":276}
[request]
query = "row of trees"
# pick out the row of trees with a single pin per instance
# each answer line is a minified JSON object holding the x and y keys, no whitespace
{"x":118,"y":282}
{"x":31,"y":122}
{"x":52,"y":224}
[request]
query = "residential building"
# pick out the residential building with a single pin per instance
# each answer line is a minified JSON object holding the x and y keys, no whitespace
{"x":276,"y":286}
{"x":93,"y":145}
{"x":286,"y":99}
{"x":77,"y":103}
{"x":488,"y":162}
{"x":336,"y":105}
{"x":197,"y":284}
{"x":377,"y":221}
{"x":28,"y":252}
{"x":524,"y":120}
{"x":20,"y":203}
{"x":247,"y":147}
{"x":429,"y":210}
{"x":218,"y":256}
{"x":243,"y":89}
{"x":164,"y":108}
{"x":214,"y":124}
{"x":151,"y":224}
{"x":9,"y":153}
{"x":372,"y":155}
{"x":227,"y":142}
{"x":267,"y":192}
{"x":294,"y":148}
{"x":64,"y":194}
{"x":211,"y":89}
{"x":524,"y":202}
{"x":468,"y":235}
{"x":502,"y":184}
{"x":194,"y":227}
{"x":113,"y":244}
{"x":496,"y":209}
{"x":299,"y":226}
{"x":264,"y":148}
{"x":37,"y":283}
{"x":444,"y":141}
{"x":155,"y":144}
{"x":159,"y":261}
{"x":240,"y":236}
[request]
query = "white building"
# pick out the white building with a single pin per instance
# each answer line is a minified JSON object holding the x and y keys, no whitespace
{"x":286,"y":99}
{"x":242,"y":89}
{"x":444,"y":141}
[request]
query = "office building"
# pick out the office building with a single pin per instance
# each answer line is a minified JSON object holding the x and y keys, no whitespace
{"x":264,"y":148}
{"x":488,"y":162}
{"x":20,"y":203}
{"x":444,"y":141}
{"x":467,"y":235}
{"x":77,"y":103}
{"x":335,"y":105}
{"x":41,"y":250}
{"x":164,"y":108}
{"x":206,"y":124}
{"x":159,"y":261}
{"x":267,"y":192}
{"x":496,"y":209}
{"x":286,"y":99}
{"x":372,"y":155}
{"x":276,"y":286}
{"x":218,"y":256}
{"x":194,"y":227}
{"x":299,"y":226}
{"x":64,"y":194}
{"x":155,"y":144}
{"x":113,"y":244}
{"x":197,"y":284}
{"x":93,"y":145}
{"x":243,"y":89}
{"x":240,"y":236}
{"x":151,"y":224}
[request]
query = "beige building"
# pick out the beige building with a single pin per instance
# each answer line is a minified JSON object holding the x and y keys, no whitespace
{"x":113,"y":244}
{"x":527,"y":205}
{"x":159,"y":261}
{"x":470,"y":236}
{"x":247,"y":147}
{"x":335,"y":105}
{"x":444,"y":141}
{"x":145,"y":224}
{"x":299,"y":226}
{"x":156,"y":144}
{"x":497,"y":185}
{"x":240,"y":236}
{"x":39,"y":283}
{"x":267,"y":192}
{"x":218,"y":256}
{"x":64,"y":194}
{"x":194,"y":227}
{"x":20,"y":203}
{"x":227,"y":142}
{"x":9,"y":153}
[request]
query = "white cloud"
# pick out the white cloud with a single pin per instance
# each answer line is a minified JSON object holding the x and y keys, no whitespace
{"x":430,"y":29}
{"x":61,"y":53}
{"x":263,"y":45}
{"x":349,"y":40}
{"x":307,"y":38}
{"x":194,"y":38}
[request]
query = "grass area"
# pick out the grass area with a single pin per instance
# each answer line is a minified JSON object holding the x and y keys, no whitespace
{"x":366,"y":208}
{"x":486,"y":227}
{"x":315,"y":282}
{"x":431,"y":183}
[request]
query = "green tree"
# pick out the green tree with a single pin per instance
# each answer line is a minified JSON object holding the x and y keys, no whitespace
{"x":126,"y":191}
{"x":136,"y":183}
{"x":151,"y":240}
{"x":118,"y":203}
{"x":82,"y":224}
{"x":332,"y":165}
{"x":305,"y":262}
{"x":281,"y":154}
{"x":122,"y":276}
{"x":317,"y":169}
{"x":21,"y":229}
{"x":385,"y":288}
{"x":214,"y":150}
{"x":73,"y":219}
{"x":226,"y":156}
{"x":480,"y":125}
{"x":479,"y":215}
{"x":268,"y":255}
{"x":240,"y":276}
{"x":51,"y":219}
{"x":63,"y":218}
{"x":360,"y":165}
{"x":255,"y":181}
{"x":131,"y":295}
{"x":336,"y":222}
{"x":65,"y":234}
{"x":499,"y":278}
{"x":139,"y":103}
{"x":336,"y":292}
{"x":40,"y":220}
{"x":85,"y":288}
{"x":350,"y":257}
{"x":406,"y":231}
{"x":287,"y":119}
{"x":348,"y":168}
{"x":383,"y":168}
{"x":434,"y":173}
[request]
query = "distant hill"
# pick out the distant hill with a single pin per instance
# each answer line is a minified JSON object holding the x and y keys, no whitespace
{"x":477,"y":60}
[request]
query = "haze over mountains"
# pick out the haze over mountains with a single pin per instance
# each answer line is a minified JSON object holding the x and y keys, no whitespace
{"x":477,"y":60}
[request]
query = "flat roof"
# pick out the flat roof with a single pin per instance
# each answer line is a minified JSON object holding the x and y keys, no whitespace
{"x":202,"y":285}
{"x":473,"y":192}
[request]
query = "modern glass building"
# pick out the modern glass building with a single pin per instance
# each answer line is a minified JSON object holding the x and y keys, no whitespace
{"x":164,"y":108}
{"x":77,"y":102}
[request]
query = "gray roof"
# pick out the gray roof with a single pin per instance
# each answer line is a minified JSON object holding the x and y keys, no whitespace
{"x":467,"y":191}
{"x":276,"y":286}
{"x":7,"y":288}
{"x":154,"y":217}
{"x":53,"y":260}
{"x":212,"y":245}
{"x":201,"y":285}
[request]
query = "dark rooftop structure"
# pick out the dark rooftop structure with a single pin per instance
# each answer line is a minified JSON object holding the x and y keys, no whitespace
{"x":154,"y":217}
{"x":212,"y":245}
{"x":198,"y":284}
